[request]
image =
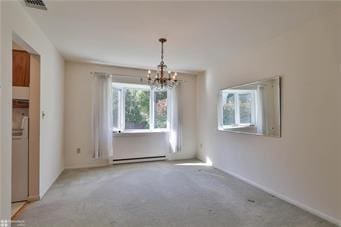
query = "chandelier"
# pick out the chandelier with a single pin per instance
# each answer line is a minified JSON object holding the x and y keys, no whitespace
{"x":163,"y":79}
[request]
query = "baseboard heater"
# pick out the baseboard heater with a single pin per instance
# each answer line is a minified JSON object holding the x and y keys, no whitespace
{"x":139,"y":159}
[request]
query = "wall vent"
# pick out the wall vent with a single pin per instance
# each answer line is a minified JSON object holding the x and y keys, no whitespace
{"x":37,"y":4}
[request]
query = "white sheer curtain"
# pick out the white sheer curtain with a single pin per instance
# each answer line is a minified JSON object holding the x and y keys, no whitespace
{"x":260,"y":109}
{"x":102,"y":117}
{"x":220,"y":110}
{"x":175,"y":132}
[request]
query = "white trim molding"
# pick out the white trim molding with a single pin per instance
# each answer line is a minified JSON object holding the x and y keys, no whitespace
{"x":85,"y":166}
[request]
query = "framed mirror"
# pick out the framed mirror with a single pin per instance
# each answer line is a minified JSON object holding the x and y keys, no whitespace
{"x":253,"y":108}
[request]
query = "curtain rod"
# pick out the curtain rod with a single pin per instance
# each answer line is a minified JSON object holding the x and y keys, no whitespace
{"x":112,"y":75}
{"x":122,"y":75}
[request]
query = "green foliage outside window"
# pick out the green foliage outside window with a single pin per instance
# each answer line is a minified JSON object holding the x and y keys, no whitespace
{"x":160,"y":111}
{"x":137,"y":109}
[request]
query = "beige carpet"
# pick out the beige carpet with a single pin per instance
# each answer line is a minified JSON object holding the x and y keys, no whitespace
{"x":160,"y":194}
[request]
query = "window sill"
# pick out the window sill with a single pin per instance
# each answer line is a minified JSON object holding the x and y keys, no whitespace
{"x":224,"y":128}
{"x":138,"y":132}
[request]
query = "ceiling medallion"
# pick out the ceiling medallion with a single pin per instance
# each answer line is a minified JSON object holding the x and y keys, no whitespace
{"x":163,"y":79}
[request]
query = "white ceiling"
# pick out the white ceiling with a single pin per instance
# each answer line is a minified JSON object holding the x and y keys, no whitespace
{"x":198,"y":33}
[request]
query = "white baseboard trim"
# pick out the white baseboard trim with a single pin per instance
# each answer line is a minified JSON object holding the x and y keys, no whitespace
{"x":139,"y":160}
{"x":84,"y":166}
{"x":287,"y":199}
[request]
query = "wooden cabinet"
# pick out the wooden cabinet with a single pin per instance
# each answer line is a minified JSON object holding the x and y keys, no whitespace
{"x":21,"y":68}
{"x":17,"y":103}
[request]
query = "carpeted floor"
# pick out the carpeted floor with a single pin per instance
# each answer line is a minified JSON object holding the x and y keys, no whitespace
{"x":160,"y":194}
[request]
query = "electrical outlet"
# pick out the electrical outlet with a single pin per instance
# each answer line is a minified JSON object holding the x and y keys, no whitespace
{"x":78,"y":150}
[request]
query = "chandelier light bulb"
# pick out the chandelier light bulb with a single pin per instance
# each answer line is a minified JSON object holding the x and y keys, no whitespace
{"x":148,"y":77}
{"x":175,"y":75}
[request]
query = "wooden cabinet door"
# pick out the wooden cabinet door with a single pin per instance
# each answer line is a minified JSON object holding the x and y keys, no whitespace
{"x":21,"y":68}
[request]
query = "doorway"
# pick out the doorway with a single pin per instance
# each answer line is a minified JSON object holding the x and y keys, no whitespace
{"x":25,"y":124}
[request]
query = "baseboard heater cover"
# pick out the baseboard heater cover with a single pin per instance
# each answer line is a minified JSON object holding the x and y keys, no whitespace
{"x":139,"y":159}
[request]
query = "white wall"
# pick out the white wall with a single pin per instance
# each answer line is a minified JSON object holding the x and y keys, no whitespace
{"x":15,"y":20}
{"x":3,"y":201}
{"x":304,"y":165}
{"x":78,"y":119}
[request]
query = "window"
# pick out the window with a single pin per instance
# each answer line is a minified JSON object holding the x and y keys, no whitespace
{"x":238,"y":108}
{"x":245,"y":105}
{"x":138,"y":108}
{"x":229,"y":110}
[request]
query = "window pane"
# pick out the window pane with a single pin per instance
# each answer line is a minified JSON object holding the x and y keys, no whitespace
{"x":160,"y":110}
{"x":228,"y":109}
{"x":137,"y":108}
{"x":245,"y":101}
{"x":115,"y":106}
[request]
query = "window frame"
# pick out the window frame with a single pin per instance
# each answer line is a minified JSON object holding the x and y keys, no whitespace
{"x":236,"y":94}
{"x":122,"y":87}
